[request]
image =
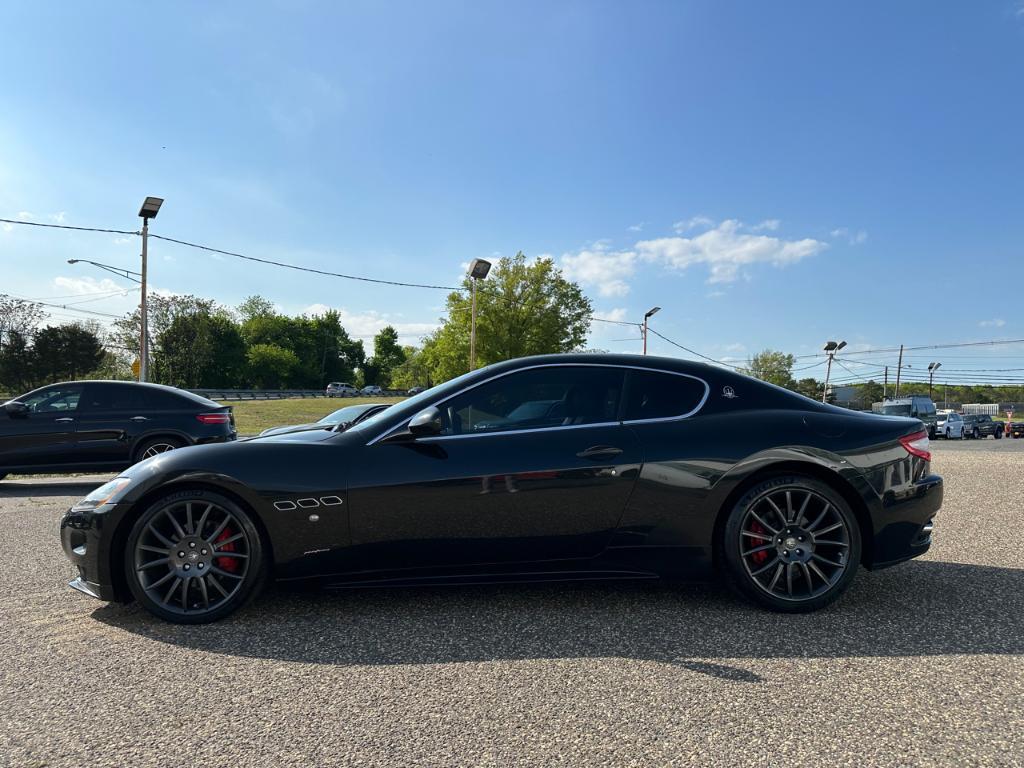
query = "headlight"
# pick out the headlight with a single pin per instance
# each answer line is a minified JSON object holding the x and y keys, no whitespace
{"x":104,"y":493}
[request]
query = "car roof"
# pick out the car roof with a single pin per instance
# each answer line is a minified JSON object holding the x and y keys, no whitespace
{"x":198,"y":399}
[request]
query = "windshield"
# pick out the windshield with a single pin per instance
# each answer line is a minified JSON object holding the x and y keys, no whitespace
{"x":414,"y":404}
{"x":896,"y":410}
{"x":348,"y":413}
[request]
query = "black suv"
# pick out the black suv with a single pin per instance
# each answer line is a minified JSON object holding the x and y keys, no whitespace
{"x":982,"y":425}
{"x":916,"y":407}
{"x":95,"y":426}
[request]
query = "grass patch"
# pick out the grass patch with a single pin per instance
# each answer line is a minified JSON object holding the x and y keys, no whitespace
{"x":253,"y":416}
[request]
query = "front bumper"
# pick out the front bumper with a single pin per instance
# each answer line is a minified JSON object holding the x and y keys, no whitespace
{"x":904,"y":522}
{"x":85,"y":545}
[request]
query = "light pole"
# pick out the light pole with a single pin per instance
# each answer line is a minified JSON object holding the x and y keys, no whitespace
{"x":932,"y":368}
{"x":650,"y":312}
{"x":831,"y":347}
{"x":119,"y":271}
{"x":150,"y":208}
{"x":478,"y":269}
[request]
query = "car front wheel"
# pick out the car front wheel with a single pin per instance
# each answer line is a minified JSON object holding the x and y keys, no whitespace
{"x":194,"y":557}
{"x":791,"y":544}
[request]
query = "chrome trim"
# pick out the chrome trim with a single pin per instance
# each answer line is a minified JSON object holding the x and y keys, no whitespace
{"x":285,"y":506}
{"x":308,"y":503}
{"x":436,"y":403}
{"x":519,"y":431}
{"x":83,"y":586}
{"x":330,"y":501}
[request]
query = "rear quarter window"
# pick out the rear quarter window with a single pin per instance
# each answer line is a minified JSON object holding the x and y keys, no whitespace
{"x":657,"y":395}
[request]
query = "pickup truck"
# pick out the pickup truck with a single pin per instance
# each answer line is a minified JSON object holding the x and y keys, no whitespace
{"x":982,"y":425}
{"x":1015,"y":429}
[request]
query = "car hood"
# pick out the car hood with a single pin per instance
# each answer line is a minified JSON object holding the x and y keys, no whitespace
{"x":294,"y":428}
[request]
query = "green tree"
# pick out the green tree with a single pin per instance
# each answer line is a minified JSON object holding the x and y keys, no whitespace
{"x":413,"y":372}
{"x":255,"y":306}
{"x":65,"y":352}
{"x":200,"y":349}
{"x":162,"y":311}
{"x":18,"y":316}
{"x":809,"y":387}
{"x":772,"y":366}
{"x":16,"y":374}
{"x":387,"y":356}
{"x":524,"y":308}
{"x":271,"y":366}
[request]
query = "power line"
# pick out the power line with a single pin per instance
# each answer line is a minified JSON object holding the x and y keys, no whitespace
{"x":67,"y":226}
{"x":694,"y":352}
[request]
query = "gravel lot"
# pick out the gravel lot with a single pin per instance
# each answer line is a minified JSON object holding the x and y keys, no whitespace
{"x":918,"y":665}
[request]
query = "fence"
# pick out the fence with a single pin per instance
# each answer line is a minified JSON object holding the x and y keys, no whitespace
{"x":277,"y":394}
{"x":975,"y":409}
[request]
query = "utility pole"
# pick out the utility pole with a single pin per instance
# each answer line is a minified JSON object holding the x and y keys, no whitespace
{"x":831,"y":347}
{"x":478,"y":269}
{"x":652,"y":311}
{"x":885,"y":385}
{"x":150,"y":208}
{"x":899,"y":369}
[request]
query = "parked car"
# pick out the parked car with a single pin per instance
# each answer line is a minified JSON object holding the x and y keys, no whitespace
{"x":1015,"y":429}
{"x":415,"y":390}
{"x":982,"y":425}
{"x":651,"y":468}
{"x":341,"y":389}
{"x":86,"y":426}
{"x":914,"y":406}
{"x":371,"y":390}
{"x":949,"y":424}
{"x":339,"y":420}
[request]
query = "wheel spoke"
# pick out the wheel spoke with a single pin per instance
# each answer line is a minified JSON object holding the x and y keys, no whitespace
{"x":789,"y":507}
{"x":206,"y":595}
{"x":236,"y":537}
{"x":177,"y":526}
{"x":751,"y":534}
{"x":184,"y":594}
{"x":762,"y":548}
{"x":162,"y":580}
{"x":825,"y":560}
{"x":776,"y":577}
{"x":831,"y":528}
{"x":803,"y":508}
{"x":764,"y":568}
{"x":153,"y":564}
{"x":775,"y":508}
{"x":820,"y":517}
{"x":163,"y":539}
{"x":158,"y":550}
{"x":238,"y":555}
{"x":807,"y":578}
{"x":833,"y":543}
{"x":222,"y":572}
{"x":789,"y":578}
{"x":170,"y":591}
{"x":217,"y":584}
{"x":221,"y":527}
{"x":202,"y":519}
{"x":757,"y":517}
{"x":814,"y":567}
{"x":188,"y":518}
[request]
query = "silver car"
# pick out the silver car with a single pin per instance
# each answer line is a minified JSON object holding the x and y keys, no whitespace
{"x":949,"y":425}
{"x":341,"y":389}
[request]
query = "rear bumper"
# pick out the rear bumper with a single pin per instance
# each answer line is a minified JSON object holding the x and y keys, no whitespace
{"x":904,"y":523}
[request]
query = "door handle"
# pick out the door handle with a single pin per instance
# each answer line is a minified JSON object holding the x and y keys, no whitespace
{"x":600,"y":452}
{"x":139,"y":418}
{"x":63,"y":420}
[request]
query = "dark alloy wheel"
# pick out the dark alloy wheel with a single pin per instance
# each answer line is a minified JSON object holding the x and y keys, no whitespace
{"x":792,"y":544}
{"x":194,"y":557}
{"x":976,"y":434}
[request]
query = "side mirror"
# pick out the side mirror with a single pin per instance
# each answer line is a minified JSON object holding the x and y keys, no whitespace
{"x":426,"y":423}
{"x":16,"y":409}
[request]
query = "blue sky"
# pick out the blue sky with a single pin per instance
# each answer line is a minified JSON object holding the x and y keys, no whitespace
{"x":772,"y":175}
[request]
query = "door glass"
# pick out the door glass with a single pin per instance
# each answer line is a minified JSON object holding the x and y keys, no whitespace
{"x":54,"y":399}
{"x":535,"y":399}
{"x":653,"y":395}
{"x":113,"y":397}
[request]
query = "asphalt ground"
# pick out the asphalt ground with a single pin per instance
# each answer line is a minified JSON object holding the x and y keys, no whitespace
{"x":918,"y":665}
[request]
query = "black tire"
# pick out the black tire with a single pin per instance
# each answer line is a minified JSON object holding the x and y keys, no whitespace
{"x":204,"y":517}
{"x":976,"y":435}
{"x":999,"y":434}
{"x":817,"y":572}
{"x":948,"y":437}
{"x":156,"y":445}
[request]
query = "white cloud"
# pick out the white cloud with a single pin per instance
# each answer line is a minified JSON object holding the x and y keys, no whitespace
{"x":715,"y":294}
{"x":994,"y":323}
{"x":6,"y":227}
{"x":597,"y":266}
{"x":122,"y":240}
{"x":85,"y":285}
{"x":366,"y":325}
{"x":855,"y":238}
{"x":25,"y":216}
{"x":736,"y":347}
{"x":769,"y":225}
{"x":692,"y":223}
{"x":57,"y":218}
{"x":726,"y":250}
{"x":636,"y":227}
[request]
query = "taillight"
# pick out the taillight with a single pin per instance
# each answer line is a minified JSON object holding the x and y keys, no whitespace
{"x":214,"y":418}
{"x":918,"y":445}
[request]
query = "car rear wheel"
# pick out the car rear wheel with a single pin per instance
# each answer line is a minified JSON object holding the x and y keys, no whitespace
{"x":976,"y":434}
{"x":194,"y":557}
{"x":156,"y":446}
{"x":791,"y":544}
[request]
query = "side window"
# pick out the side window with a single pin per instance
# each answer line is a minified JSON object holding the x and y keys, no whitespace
{"x":537,"y":398}
{"x":54,"y":399}
{"x":159,"y":400}
{"x":113,"y":397}
{"x":654,"y":395}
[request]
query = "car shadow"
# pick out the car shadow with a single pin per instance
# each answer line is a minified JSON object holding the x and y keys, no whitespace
{"x":17,"y":489}
{"x":919,"y":608}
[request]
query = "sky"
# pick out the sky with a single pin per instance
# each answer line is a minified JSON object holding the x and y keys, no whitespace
{"x":772,"y":175}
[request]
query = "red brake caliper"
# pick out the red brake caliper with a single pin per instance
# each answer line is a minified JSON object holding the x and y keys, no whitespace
{"x":230,"y":564}
{"x":758,"y":557}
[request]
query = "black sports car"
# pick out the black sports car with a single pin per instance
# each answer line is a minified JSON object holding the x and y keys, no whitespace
{"x":347,"y":416}
{"x":648,"y":467}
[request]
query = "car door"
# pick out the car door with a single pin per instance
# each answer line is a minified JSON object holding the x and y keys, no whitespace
{"x":111,"y":415}
{"x":44,"y":434}
{"x":495,"y":489}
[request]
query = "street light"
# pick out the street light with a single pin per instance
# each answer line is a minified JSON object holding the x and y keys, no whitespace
{"x":119,"y":271}
{"x":932,"y":368}
{"x":652,"y":311}
{"x":150,"y":208}
{"x":478,"y":269}
{"x":831,"y":347}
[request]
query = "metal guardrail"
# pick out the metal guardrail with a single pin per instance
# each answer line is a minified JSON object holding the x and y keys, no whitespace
{"x":277,"y":394}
